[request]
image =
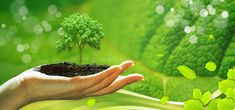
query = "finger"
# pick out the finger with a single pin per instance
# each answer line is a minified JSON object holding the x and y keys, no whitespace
{"x":103,"y":84}
{"x":97,"y":78}
{"x":78,"y":91}
{"x":127,"y":64}
{"x":124,"y":65}
{"x":118,"y":84}
{"x":90,"y":80}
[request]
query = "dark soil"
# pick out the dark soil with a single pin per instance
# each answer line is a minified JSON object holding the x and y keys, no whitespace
{"x":72,"y":69}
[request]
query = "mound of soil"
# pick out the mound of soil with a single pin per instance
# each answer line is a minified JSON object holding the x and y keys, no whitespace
{"x":72,"y":69}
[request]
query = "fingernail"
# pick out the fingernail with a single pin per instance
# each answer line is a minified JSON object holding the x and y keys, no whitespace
{"x":142,"y":79}
{"x":132,"y":64}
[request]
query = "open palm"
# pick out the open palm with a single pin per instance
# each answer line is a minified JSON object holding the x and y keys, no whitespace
{"x":39,"y":86}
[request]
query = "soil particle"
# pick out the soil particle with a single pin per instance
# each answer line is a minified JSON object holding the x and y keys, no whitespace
{"x":72,"y":69}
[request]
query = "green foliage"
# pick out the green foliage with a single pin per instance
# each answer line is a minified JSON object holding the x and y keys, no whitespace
{"x":80,"y":30}
{"x":197,"y":94}
{"x":160,"y":46}
{"x":228,"y":61}
{"x":225,"y":104}
{"x":164,"y":48}
{"x":230,"y":93}
{"x":133,"y":26}
{"x":198,"y":100}
{"x":225,"y":85}
{"x":133,"y":13}
{"x":186,"y":72}
{"x":205,"y":50}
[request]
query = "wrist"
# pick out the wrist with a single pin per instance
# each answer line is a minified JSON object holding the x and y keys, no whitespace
{"x":13,"y":95}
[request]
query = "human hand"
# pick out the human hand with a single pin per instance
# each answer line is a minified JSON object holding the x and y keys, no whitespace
{"x":35,"y":86}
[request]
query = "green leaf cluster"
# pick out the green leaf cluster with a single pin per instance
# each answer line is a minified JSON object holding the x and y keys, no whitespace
{"x":199,"y":100}
{"x":80,"y":30}
{"x":225,"y":87}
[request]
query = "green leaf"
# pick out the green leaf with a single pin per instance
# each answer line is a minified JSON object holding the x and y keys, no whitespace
{"x":213,"y":105}
{"x":225,"y":104}
{"x":211,"y":37}
{"x":164,"y":99}
{"x":211,"y":66}
{"x":193,"y":105}
{"x":91,"y":102}
{"x":231,"y":74}
{"x":230,"y":93}
{"x":186,"y":72}
{"x":206,"y":97}
{"x":225,"y":85}
{"x":197,"y":94}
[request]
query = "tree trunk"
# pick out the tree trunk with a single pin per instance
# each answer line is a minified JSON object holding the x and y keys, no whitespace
{"x":80,"y":52}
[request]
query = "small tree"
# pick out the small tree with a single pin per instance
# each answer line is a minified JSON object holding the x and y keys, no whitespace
{"x":80,"y":30}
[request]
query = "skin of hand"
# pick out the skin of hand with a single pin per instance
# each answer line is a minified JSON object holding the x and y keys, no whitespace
{"x":31,"y":86}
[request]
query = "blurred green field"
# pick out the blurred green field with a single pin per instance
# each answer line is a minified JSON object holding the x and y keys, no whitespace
{"x":127,"y":28}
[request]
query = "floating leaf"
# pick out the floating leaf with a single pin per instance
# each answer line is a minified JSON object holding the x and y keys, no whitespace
{"x":91,"y":102}
{"x":193,"y":105}
{"x":164,"y":99}
{"x":187,"y":72}
{"x":197,"y":94}
{"x":211,"y":66}
{"x":231,"y":74}
{"x":225,"y":85}
{"x":226,"y":104}
{"x":213,"y":105}
{"x":230,"y":93}
{"x":206,"y":97}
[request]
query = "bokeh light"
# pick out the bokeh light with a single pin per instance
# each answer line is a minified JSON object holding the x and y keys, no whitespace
{"x":160,"y":9}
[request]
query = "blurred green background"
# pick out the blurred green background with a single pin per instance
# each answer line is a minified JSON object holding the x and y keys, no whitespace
{"x":158,"y":35}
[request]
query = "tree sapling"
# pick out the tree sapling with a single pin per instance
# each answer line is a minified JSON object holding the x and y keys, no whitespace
{"x":80,"y":30}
